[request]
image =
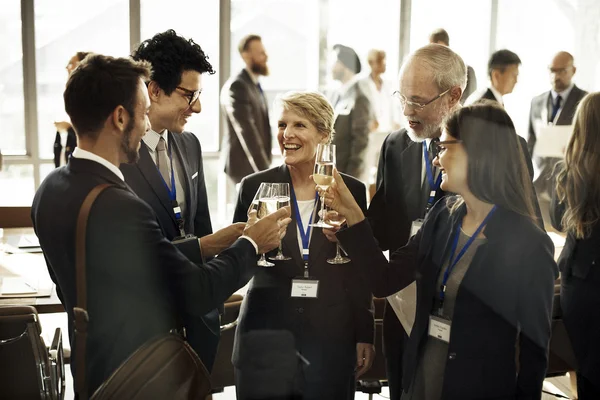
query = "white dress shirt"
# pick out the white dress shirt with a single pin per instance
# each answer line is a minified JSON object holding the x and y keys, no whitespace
{"x":86,"y":155}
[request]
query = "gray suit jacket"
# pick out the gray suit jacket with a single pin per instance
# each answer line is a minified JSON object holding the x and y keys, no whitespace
{"x":353,"y":111}
{"x":247,"y":141}
{"x":544,"y":100}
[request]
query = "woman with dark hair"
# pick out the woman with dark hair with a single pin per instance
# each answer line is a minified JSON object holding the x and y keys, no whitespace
{"x":484,"y":270}
{"x":576,"y":210}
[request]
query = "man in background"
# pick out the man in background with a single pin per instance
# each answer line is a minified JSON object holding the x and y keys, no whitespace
{"x":503,"y":71}
{"x":554,"y":107}
{"x":440,"y":36}
{"x":247,"y":142}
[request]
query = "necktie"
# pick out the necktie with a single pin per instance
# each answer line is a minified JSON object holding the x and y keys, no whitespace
{"x":555,"y":108}
{"x":162,"y":161}
{"x":432,"y":154}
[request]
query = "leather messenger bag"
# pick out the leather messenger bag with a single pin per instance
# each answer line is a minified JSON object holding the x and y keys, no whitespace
{"x":165,"y":367}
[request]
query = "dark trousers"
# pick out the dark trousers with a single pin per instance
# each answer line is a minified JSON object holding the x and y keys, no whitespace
{"x":586,"y":390}
{"x":394,"y":339}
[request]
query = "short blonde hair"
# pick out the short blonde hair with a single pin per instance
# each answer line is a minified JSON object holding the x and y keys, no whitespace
{"x":310,"y":105}
{"x":375,"y":55}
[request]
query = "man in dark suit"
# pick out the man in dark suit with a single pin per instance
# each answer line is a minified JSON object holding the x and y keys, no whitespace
{"x":556,"y":107}
{"x":247,"y":143}
{"x":503,"y":71}
{"x":440,"y":36}
{"x":352,"y":112}
{"x":174,"y":91}
{"x":138,"y":283}
{"x":403,"y":186}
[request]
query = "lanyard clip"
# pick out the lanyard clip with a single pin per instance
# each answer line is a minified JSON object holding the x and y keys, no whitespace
{"x":306,"y":269}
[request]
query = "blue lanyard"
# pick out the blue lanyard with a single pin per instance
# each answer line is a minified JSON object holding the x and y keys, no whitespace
{"x":173,"y":191}
{"x":452,"y":263}
{"x":433,"y":186}
{"x":304,"y":235}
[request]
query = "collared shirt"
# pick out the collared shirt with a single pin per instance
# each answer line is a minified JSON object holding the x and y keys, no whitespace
{"x":564,"y":94}
{"x":253,"y":76}
{"x":497,"y":95}
{"x":151,"y":139}
{"x":86,"y":155}
{"x":382,"y":103}
{"x":423,"y":170}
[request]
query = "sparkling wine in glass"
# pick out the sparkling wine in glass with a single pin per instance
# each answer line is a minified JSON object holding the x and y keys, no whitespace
{"x":337,"y":220}
{"x":281,"y":192}
{"x":264,"y":205}
{"x":323,"y":175}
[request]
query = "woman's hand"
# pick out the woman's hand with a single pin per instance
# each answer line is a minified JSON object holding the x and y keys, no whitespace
{"x":339,"y":198}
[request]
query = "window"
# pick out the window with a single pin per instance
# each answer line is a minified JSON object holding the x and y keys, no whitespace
{"x":198,"y":20}
{"x":467,"y":23}
{"x":12,"y":105}
{"x":62,"y":28}
{"x":19,"y":179}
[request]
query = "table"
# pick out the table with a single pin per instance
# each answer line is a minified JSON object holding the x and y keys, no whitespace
{"x":30,"y":266}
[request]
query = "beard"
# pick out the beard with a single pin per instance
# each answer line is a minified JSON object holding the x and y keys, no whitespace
{"x":260,"y":69}
{"x":131,"y":153}
{"x":430,"y":130}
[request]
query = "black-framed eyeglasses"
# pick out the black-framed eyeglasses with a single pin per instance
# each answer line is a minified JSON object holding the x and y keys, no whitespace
{"x":440,"y":147}
{"x":404,"y":102}
{"x":192,"y":96}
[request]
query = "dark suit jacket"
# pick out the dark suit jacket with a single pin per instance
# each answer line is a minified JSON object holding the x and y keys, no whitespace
{"x":137,"y":281}
{"x":544,"y":100}
{"x":326,"y":329}
{"x":145,"y":180}
{"x":351,"y":138}
{"x":579,"y":265}
{"x":247,"y":143}
{"x":505,"y":299}
{"x":70,"y":146}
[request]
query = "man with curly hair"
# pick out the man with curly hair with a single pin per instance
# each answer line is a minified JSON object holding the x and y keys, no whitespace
{"x":169,"y":175}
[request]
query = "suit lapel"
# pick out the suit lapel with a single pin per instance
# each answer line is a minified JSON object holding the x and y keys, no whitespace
{"x":318,"y":239}
{"x":190,"y":198}
{"x":566,"y":114}
{"x":152,"y":176}
{"x":411,"y":178}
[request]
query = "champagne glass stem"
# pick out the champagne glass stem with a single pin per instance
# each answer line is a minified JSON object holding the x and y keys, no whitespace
{"x":337,"y":251}
{"x":322,"y":212}
{"x":280,"y":252}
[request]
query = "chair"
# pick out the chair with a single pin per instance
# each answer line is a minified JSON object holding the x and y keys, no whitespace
{"x":222,"y":373}
{"x":29,"y":369}
{"x":373,"y":380}
{"x":15,"y":217}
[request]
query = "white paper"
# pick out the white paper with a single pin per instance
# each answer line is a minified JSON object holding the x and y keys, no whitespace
{"x":16,"y":286}
{"x":552,"y":140}
{"x":404,"y":304}
{"x":305,"y":288}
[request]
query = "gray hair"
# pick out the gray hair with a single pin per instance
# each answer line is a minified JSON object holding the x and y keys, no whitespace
{"x":448,"y":67}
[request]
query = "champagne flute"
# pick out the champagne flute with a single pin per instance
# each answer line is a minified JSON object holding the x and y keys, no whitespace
{"x":263,"y":207}
{"x":336,"y":219}
{"x":281,"y":192}
{"x":323,"y":176}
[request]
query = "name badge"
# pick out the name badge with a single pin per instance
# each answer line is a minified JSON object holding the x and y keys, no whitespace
{"x":307,"y":288}
{"x":416,"y":225}
{"x":176,"y":210}
{"x":439,"y":328}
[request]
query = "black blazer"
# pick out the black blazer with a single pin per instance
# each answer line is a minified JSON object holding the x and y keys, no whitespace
{"x":247,"y":141}
{"x":145,"y":180}
{"x":70,"y":146}
{"x":137,"y":281}
{"x":544,"y":100}
{"x":579,"y":265}
{"x":506,"y":294}
{"x":343,"y":312}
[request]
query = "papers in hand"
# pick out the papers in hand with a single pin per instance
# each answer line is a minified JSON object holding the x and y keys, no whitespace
{"x":28,"y":241}
{"x":552,"y":140}
{"x":16,"y":286}
{"x":404,"y":304}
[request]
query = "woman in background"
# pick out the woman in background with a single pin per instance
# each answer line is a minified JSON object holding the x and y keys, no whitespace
{"x":576,"y":210}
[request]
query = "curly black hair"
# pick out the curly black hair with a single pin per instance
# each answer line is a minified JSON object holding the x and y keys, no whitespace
{"x":170,"y":55}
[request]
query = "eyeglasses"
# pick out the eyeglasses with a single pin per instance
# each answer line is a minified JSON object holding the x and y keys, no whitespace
{"x":190,"y":95}
{"x":440,"y":147}
{"x":404,"y":102}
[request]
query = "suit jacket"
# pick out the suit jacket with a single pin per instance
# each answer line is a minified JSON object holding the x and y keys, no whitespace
{"x":471,"y":84}
{"x":579,"y":264}
{"x":326,"y":329}
{"x":353,"y":113}
{"x":138,"y":283}
{"x":145,"y":180}
{"x":504,"y":300}
{"x":70,"y":146}
{"x":247,"y":143}
{"x":544,"y":101}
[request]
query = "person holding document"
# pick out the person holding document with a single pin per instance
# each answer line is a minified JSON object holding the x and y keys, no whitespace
{"x":552,"y":109}
{"x":331,"y":325}
{"x":484,"y":269}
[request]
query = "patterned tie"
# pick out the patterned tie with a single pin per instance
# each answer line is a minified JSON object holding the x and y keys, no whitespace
{"x":162,"y":161}
{"x":555,"y":108}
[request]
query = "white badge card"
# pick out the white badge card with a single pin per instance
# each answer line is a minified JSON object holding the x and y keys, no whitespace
{"x":439,"y":328}
{"x":416,"y":225}
{"x":307,"y":288}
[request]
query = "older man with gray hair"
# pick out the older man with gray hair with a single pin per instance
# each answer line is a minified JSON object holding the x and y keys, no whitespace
{"x":432,"y":81}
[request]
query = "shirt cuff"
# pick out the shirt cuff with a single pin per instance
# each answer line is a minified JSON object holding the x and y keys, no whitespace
{"x":251,"y":241}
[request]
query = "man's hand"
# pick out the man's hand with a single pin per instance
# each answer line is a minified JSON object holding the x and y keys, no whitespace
{"x":62,"y":125}
{"x":213,"y":244}
{"x":268,"y":231}
{"x":365,"y":354}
